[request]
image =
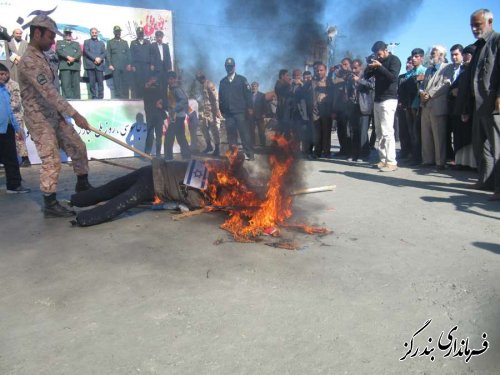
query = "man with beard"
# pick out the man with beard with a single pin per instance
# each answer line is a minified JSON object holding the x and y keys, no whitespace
{"x":17,"y":47}
{"x":140,"y":61}
{"x":434,"y":104}
{"x":45,"y":112}
{"x":94,"y":52}
{"x":484,"y":83}
{"x":118,"y":56}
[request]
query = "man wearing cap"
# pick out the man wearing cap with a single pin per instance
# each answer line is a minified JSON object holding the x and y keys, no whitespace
{"x":94,"y":54}
{"x":17,"y":47}
{"x":69,"y":54}
{"x":161,"y":62}
{"x":140,"y":61}
{"x":235,"y":100}
{"x":118,"y":55}
{"x":210,"y":114}
{"x":385,"y":68}
{"x":45,"y":110}
{"x":484,"y":87}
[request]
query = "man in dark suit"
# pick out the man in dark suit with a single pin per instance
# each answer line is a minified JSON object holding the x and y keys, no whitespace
{"x":140,"y":55}
{"x":94,"y":52}
{"x":256,"y":119}
{"x":484,"y":83}
{"x":234,"y":103}
{"x":161,"y":62}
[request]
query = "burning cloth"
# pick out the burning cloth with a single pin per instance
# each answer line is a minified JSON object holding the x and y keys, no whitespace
{"x":163,"y":180}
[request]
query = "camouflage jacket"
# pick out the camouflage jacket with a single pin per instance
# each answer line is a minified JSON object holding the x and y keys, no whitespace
{"x":15,"y":101}
{"x":41,"y":100}
{"x":210,"y":108}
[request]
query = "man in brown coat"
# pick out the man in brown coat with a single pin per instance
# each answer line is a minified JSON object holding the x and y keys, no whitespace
{"x":45,"y":113}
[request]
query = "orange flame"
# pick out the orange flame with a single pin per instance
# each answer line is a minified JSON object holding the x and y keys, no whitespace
{"x":250,"y":215}
{"x":157,"y":200}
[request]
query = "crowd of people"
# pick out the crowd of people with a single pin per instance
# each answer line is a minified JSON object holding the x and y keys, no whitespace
{"x":444,"y":114}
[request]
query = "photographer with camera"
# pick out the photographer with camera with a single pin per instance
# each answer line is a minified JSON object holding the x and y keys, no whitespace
{"x":385,"y":69}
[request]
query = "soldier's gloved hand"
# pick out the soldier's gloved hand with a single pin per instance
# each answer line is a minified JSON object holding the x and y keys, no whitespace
{"x":81,"y":121}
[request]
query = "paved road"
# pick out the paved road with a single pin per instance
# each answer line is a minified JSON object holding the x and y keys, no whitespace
{"x":146,"y":295}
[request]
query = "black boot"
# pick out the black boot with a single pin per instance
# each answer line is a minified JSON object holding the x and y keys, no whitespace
{"x":216,"y":151}
{"x":82,"y":183}
{"x":52,"y":208}
{"x":208,"y":149}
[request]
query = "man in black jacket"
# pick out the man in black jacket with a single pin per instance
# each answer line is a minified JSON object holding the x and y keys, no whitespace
{"x":484,"y":86}
{"x":235,"y":101}
{"x":385,"y":68}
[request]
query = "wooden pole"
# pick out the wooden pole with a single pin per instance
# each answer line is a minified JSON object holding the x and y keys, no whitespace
{"x":115,"y":164}
{"x":314,"y":190}
{"x":123,"y":144}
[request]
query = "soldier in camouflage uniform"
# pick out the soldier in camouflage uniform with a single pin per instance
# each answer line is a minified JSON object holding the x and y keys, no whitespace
{"x":209,"y":114}
{"x":44,"y":110}
{"x":18,"y":111}
{"x":118,"y":56}
{"x":70,"y":54}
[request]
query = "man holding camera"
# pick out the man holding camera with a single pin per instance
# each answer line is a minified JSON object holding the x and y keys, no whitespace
{"x":385,"y":67}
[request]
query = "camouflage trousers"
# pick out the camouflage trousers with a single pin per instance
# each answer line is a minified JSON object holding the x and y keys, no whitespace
{"x":21,"y":148}
{"x":48,"y":140}
{"x":210,"y":125}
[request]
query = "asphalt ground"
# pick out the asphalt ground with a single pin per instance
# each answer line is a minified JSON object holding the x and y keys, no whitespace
{"x":145,"y":294}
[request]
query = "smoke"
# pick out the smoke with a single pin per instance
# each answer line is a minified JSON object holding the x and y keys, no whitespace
{"x":264,"y":36}
{"x":373,"y":21}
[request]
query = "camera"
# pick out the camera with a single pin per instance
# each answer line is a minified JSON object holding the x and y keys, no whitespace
{"x":370,"y":58}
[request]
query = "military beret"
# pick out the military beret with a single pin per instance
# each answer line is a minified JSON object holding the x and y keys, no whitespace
{"x":44,"y":21}
{"x":139,"y":29}
{"x":230,"y":61}
{"x":67,"y":30}
{"x":117,"y":28}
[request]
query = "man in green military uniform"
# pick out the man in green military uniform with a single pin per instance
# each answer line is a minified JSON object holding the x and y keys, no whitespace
{"x":118,"y":56}
{"x":69,"y":53}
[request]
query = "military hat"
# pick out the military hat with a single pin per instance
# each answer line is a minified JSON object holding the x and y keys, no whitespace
{"x":117,"y":28}
{"x":140,"y":29}
{"x":67,"y":30}
{"x":44,"y":21}
{"x":230,"y":61}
